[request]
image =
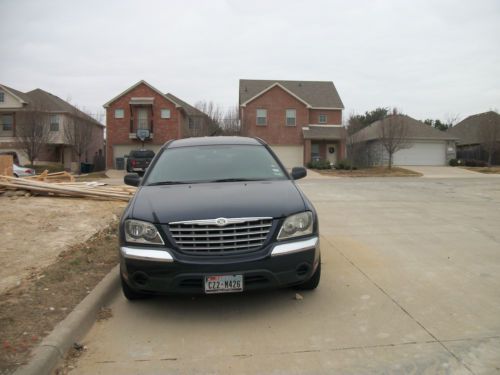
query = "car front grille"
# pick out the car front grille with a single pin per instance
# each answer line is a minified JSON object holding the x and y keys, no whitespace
{"x":202,"y":237}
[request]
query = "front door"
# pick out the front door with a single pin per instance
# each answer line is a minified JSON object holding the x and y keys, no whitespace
{"x":331,"y":153}
{"x":142,"y":118}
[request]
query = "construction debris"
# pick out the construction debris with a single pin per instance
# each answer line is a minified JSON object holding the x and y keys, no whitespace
{"x":52,"y":186}
{"x":53,"y":177}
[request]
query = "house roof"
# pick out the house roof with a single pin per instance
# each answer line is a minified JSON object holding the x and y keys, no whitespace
{"x":416,"y":130}
{"x":326,"y":132}
{"x":189,"y":109}
{"x":133,"y":87}
{"x":46,"y":101}
{"x":315,"y":94}
{"x":467,"y":130}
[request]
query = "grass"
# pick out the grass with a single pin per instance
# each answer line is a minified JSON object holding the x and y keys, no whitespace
{"x":51,"y":168}
{"x":30,"y":311}
{"x":487,"y":170}
{"x":371,"y":172}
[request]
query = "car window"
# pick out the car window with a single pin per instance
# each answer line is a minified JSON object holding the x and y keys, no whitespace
{"x":215,"y":163}
{"x":142,"y":154}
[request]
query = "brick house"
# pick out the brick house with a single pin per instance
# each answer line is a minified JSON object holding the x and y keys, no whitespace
{"x":19,"y":110}
{"x":300,"y":120}
{"x":143,"y":107}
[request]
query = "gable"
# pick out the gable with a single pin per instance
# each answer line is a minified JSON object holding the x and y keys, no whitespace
{"x":10,"y":100}
{"x":143,"y":89}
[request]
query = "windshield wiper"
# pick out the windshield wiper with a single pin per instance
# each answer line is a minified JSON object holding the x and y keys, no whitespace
{"x":237,"y":179}
{"x":170,"y":183}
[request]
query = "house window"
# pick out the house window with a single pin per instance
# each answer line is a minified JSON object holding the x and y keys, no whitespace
{"x":2,"y":97}
{"x":7,"y":128}
{"x":165,"y":113}
{"x":262,"y":117}
{"x":323,"y":119}
{"x":54,"y":123}
{"x":119,"y":113}
{"x":291,"y":114}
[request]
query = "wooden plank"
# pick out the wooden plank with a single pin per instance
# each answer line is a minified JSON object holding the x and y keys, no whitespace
{"x":6,"y":165}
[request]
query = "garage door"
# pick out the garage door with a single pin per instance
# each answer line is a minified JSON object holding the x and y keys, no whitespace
{"x":119,"y":151}
{"x":290,"y":156}
{"x":422,"y":153}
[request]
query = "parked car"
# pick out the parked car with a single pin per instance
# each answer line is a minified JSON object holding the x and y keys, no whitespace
{"x":139,"y":160}
{"x":217,"y":215}
{"x":22,"y":172}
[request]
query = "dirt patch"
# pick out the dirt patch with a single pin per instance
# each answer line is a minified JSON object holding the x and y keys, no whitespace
{"x":487,"y":170}
{"x":371,"y":172}
{"x":30,"y":311}
{"x":91,"y":176}
{"x":35,"y":230}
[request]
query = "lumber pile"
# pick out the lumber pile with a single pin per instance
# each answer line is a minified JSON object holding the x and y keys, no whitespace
{"x":53,"y":177}
{"x":94,"y":190}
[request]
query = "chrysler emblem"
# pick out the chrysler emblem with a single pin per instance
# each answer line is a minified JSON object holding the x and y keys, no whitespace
{"x":221,"y":221}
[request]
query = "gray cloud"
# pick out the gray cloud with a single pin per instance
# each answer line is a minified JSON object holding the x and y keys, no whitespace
{"x":428,"y":58}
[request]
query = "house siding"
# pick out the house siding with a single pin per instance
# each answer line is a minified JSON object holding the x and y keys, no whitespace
{"x":118,"y":130}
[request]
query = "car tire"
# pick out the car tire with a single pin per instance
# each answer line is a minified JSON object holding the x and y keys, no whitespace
{"x":130,"y":293}
{"x":15,"y":175}
{"x":313,"y":282}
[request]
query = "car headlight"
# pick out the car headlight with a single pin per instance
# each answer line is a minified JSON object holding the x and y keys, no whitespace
{"x":137,"y":231}
{"x":296,"y":225}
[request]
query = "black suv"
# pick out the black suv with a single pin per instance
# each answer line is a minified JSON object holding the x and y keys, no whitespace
{"x":139,"y":160}
{"x":217,"y":215}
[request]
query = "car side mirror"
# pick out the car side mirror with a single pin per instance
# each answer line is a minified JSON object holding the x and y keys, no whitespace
{"x":298,"y":173}
{"x":132,"y":179}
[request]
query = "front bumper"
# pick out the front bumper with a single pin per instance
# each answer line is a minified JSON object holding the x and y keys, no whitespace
{"x":162,"y":271}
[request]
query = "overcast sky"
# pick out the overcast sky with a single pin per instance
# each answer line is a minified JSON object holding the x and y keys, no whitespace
{"x":431,"y":59}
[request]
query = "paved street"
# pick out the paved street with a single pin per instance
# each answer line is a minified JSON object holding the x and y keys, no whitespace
{"x":411,"y":284}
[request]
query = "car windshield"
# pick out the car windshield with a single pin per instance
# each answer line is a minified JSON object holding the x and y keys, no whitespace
{"x":218,"y":163}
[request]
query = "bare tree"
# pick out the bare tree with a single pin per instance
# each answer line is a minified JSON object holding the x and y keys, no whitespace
{"x":231,"y":123}
{"x":208,"y":125}
{"x":393,"y":135}
{"x":33,"y":132}
{"x":353,"y":126}
{"x":489,"y":136}
{"x":78,"y":133}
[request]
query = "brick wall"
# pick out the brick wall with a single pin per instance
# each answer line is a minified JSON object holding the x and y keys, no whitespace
{"x":333,"y":117}
{"x":118,"y":130}
{"x":276,"y":101}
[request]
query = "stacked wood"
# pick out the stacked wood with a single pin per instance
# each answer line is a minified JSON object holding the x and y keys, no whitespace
{"x":94,"y":190}
{"x":6,"y":165}
{"x":53,"y":177}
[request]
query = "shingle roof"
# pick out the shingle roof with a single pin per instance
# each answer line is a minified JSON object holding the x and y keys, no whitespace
{"x":467,"y":130}
{"x":318,"y":94}
{"x":46,"y":101}
{"x":416,"y":130}
{"x":190,"y":110}
{"x":326,"y":132}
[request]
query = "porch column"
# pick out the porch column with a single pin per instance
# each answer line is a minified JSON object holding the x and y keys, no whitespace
{"x":342,"y":153}
{"x":307,"y":151}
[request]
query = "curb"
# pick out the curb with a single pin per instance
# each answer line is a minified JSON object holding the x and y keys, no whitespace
{"x":53,"y":348}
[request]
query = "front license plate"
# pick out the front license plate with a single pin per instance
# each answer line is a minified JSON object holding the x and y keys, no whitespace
{"x":223,"y":283}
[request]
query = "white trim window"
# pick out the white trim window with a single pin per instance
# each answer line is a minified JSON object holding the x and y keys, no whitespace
{"x":2,"y":96}
{"x":262,"y":117}
{"x":119,"y":113}
{"x":7,"y":125}
{"x":291,"y":117}
{"x":165,"y":113}
{"x":54,"y":123}
{"x":322,"y":119}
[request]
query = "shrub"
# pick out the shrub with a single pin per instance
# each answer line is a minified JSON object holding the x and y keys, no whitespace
{"x":453,"y":162}
{"x":319,"y":164}
{"x":344,"y":164}
{"x":473,"y":163}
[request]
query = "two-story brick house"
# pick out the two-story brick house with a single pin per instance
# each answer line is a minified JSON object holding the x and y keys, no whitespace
{"x":64,"y":123}
{"x":143,"y":107}
{"x":300,"y":120}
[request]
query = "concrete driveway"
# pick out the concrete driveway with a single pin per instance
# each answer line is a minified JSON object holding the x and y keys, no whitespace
{"x":410,"y":285}
{"x":448,"y":172}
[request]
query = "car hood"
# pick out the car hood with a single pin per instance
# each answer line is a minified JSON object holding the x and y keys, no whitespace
{"x":164,"y":204}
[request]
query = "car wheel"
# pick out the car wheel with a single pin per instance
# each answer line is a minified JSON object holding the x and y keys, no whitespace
{"x":130,"y":293}
{"x":313,"y":282}
{"x":15,"y":175}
